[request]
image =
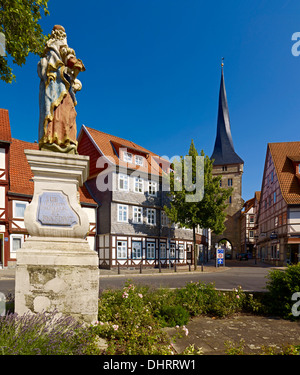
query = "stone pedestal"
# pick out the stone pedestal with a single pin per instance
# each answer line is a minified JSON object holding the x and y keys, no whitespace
{"x":56,"y":269}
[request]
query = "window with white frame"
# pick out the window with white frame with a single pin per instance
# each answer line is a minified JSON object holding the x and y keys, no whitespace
{"x":138,"y":215}
{"x":122,"y":213}
{"x":138,"y":185}
{"x":16,"y":241}
{"x":19,"y":209}
{"x":251,"y":234}
{"x":172,"y":250}
{"x":163,"y":250}
{"x":139,"y":160}
{"x":152,"y":188}
{"x":181,"y":251}
{"x":127,"y":156}
{"x":150,"y":250}
{"x":151,"y":216}
{"x":165,"y":221}
{"x":136,"y":252}
{"x":123,"y":182}
{"x":122,"y":249}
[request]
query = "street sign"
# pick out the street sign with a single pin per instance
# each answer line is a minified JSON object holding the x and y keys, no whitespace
{"x":220,"y":258}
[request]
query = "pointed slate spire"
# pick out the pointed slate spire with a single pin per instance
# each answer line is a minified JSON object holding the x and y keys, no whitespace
{"x":224,"y":153}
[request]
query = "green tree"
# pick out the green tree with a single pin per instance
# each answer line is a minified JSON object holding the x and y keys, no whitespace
{"x":209,"y":210}
{"x":19,"y":24}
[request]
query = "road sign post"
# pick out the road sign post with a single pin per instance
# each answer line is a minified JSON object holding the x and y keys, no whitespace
{"x":220,"y":257}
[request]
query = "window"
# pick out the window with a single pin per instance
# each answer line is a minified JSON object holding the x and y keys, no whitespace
{"x":139,"y":160}
{"x":151,"y":216}
{"x":136,"y":250}
{"x":123,"y":182}
{"x":251,"y":234}
{"x":122,"y":249}
{"x":163,"y":250}
{"x":152,"y":188}
{"x":298,"y":168}
{"x":181,"y":251}
{"x":164,"y":219}
{"x":172,"y":251}
{"x":150,"y":250}
{"x":16,"y":241}
{"x":220,"y":183}
{"x":230,"y":200}
{"x":274,"y":197}
{"x":138,"y":215}
{"x":229,"y":181}
{"x":270,"y":200}
{"x":224,"y":168}
{"x":251,"y":219}
{"x":127,"y":156}
{"x":19,"y":209}
{"x":138,"y":185}
{"x":122,"y":213}
{"x":272,"y":176}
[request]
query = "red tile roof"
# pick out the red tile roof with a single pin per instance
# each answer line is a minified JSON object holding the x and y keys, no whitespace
{"x":285,"y":169}
{"x":111,"y":147}
{"x":21,"y":175}
{"x":5,"y":134}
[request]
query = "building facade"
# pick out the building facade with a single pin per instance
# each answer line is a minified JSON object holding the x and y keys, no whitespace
{"x":279,"y":209}
{"x":16,"y":191}
{"x":229,"y":165}
{"x":248,"y":220}
{"x":127,"y":181}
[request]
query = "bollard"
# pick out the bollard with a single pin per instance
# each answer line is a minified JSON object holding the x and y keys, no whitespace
{"x":189,"y":267}
{"x":175,"y":268}
{"x":141,"y":268}
{"x":119,"y":269}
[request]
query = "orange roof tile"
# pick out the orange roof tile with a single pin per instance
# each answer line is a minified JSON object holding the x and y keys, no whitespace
{"x":111,"y":146}
{"x":21,"y":175}
{"x":5,"y":134}
{"x":285,"y":169}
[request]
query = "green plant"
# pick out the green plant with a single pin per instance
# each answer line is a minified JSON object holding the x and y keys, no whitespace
{"x":126,"y":321}
{"x":281,"y":286}
{"x":170,"y":316}
{"x":46,"y":334}
{"x":235,"y":348}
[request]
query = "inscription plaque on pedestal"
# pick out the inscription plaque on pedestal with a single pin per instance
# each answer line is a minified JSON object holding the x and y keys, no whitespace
{"x":55,"y":210}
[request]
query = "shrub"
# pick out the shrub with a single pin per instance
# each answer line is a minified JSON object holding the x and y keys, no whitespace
{"x":170,"y":316}
{"x":44,"y":333}
{"x":127,"y":322}
{"x":281,"y":286}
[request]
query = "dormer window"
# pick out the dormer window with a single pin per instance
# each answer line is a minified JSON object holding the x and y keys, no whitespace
{"x":139,"y":160}
{"x":127,"y":156}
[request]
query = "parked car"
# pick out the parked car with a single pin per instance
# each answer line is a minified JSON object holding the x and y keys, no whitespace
{"x":243,"y":256}
{"x":227,"y":256}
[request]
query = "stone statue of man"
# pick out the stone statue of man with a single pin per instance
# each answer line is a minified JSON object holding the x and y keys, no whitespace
{"x":58,"y":70}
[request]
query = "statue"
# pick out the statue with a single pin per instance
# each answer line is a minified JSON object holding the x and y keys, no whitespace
{"x":58,"y":70}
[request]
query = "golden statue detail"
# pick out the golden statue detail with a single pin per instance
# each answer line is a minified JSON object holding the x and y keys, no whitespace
{"x":58,"y":70}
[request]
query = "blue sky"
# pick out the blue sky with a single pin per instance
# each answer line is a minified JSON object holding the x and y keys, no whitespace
{"x":153,"y":74}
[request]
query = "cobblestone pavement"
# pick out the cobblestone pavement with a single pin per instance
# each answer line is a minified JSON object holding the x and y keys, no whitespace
{"x":210,"y":334}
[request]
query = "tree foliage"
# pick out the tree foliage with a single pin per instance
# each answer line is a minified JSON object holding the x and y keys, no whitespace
{"x":23,"y":34}
{"x":208,"y":212}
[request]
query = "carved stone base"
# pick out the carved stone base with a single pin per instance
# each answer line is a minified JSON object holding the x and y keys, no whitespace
{"x":56,"y":269}
{"x":59,"y":274}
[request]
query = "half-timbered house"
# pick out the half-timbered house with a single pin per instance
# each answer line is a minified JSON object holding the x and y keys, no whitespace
{"x":126,"y":181}
{"x":279,"y":208}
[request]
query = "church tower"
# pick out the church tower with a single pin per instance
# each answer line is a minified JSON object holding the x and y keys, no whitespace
{"x":229,"y":165}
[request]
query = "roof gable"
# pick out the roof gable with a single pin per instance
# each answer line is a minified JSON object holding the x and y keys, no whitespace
{"x":5,"y":133}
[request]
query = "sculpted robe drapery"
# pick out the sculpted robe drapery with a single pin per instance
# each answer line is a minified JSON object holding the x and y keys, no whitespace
{"x":57,"y":123}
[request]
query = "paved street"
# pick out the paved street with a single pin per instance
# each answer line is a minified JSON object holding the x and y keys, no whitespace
{"x":248,"y":276}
